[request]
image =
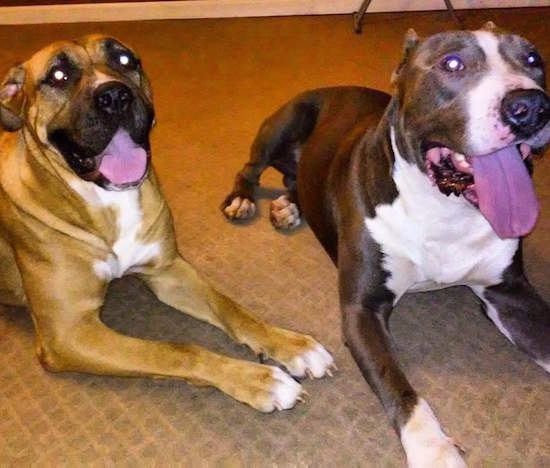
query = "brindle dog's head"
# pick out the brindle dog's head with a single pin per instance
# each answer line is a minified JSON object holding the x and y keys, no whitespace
{"x":472,"y":91}
{"x":90,"y":101}
{"x":468,"y":107}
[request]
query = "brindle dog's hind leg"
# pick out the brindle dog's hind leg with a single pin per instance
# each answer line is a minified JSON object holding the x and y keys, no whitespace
{"x":277,"y":145}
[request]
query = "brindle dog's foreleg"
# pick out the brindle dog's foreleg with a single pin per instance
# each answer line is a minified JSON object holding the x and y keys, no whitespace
{"x":366,"y":304}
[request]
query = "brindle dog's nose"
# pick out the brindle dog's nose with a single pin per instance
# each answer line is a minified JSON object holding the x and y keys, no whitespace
{"x":525,"y":110}
{"x":113,"y":98}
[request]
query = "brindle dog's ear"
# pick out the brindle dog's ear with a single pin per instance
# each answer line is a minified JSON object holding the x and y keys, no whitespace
{"x":12,"y":99}
{"x":489,"y":26}
{"x":409,"y":46}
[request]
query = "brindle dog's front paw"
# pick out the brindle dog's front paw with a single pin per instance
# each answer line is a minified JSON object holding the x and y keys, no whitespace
{"x":238,"y":207}
{"x":284,"y":214}
{"x":425,"y":443}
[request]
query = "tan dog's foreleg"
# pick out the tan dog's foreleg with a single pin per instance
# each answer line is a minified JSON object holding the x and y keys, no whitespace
{"x":92,"y":347}
{"x":179,"y":286}
{"x":66,"y":304}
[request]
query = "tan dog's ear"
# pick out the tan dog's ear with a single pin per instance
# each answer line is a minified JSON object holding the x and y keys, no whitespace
{"x":409,"y":46}
{"x":11,"y":99}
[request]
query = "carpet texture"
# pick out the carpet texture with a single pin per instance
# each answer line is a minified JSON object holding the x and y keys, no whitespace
{"x":214,"y":81}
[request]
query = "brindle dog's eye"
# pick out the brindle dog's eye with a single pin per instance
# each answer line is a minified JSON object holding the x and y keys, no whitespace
{"x":533,"y":59}
{"x":452,"y":63}
{"x":57,"y":77}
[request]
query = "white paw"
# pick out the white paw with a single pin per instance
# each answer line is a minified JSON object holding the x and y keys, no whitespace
{"x":240,"y":208}
{"x":284,"y":214}
{"x":544,"y":365}
{"x":425,"y":444}
{"x":315,"y":363}
{"x":285,"y":392}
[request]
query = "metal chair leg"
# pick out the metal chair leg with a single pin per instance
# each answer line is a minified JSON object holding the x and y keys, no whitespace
{"x":451,"y":11}
{"x":358,"y":16}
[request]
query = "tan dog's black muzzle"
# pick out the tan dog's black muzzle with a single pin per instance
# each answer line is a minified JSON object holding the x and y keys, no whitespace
{"x":113,"y":98}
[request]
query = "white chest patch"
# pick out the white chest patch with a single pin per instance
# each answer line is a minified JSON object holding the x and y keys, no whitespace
{"x":431,"y":241}
{"x":126,"y":252}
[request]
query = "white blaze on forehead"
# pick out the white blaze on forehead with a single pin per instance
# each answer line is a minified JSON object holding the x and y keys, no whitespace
{"x":485,"y":130}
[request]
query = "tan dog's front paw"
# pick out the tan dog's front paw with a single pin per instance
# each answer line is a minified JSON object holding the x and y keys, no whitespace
{"x":315,"y":363}
{"x":266,"y":389}
{"x":301,"y":355}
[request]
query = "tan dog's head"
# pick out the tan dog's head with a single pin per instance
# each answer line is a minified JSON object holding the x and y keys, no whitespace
{"x":90,"y":101}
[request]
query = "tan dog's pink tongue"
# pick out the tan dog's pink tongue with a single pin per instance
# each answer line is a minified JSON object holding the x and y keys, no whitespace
{"x":505,"y":192}
{"x":123,"y":161}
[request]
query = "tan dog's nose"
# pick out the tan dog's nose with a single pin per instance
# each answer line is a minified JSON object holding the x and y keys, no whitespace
{"x":113,"y":98}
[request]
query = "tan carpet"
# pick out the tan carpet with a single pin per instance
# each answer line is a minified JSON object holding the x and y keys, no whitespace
{"x":214,"y":81}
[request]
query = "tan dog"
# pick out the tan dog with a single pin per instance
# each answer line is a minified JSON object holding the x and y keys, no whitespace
{"x":79,"y":206}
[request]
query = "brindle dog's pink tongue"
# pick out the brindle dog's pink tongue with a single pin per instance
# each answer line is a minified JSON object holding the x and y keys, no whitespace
{"x":123,"y":161}
{"x":506,"y":193}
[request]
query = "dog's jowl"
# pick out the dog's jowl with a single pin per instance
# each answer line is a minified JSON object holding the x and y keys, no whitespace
{"x":424,"y":189}
{"x":80,"y":205}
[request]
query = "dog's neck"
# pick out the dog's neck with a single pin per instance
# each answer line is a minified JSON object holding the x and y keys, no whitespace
{"x":408,"y":147}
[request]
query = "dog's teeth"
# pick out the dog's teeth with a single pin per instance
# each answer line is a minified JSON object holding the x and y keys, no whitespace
{"x":445,"y":152}
{"x":525,"y":150}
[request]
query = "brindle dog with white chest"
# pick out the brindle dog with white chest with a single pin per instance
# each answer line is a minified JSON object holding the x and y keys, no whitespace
{"x":421,"y":190}
{"x":80,"y":205}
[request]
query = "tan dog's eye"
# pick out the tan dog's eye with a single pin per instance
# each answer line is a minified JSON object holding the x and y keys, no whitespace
{"x":57,"y":78}
{"x":124,"y":59}
{"x":62,"y":73}
{"x":127,"y":61}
